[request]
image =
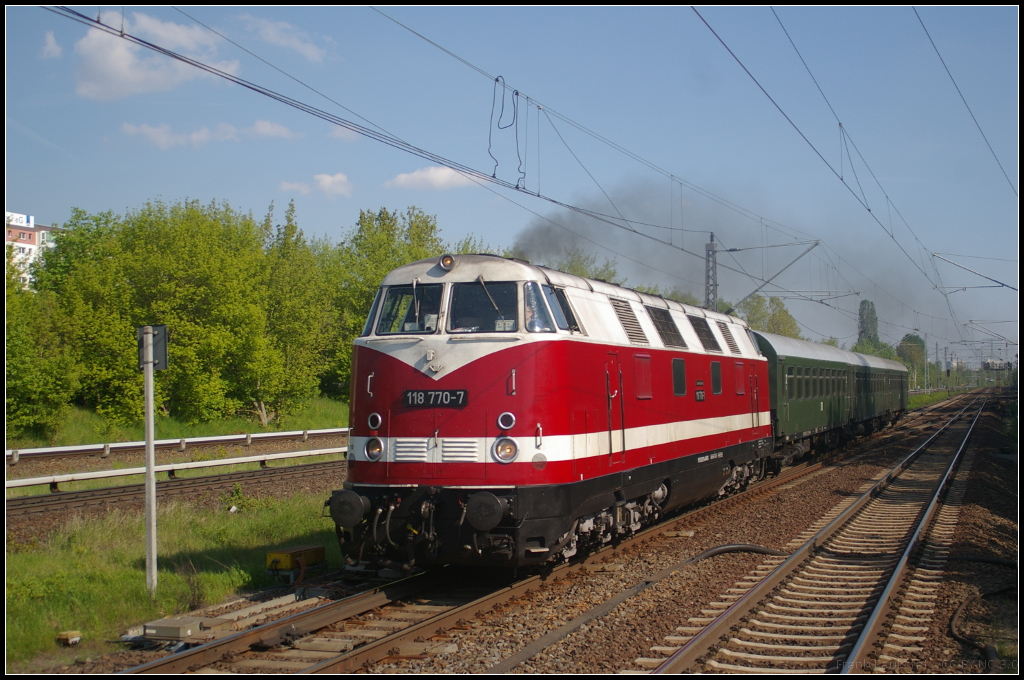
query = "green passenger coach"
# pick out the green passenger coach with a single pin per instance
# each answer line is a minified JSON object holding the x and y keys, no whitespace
{"x":822,"y":396}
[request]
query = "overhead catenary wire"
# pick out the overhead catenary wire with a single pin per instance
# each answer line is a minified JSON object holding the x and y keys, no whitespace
{"x":810,"y":144}
{"x":393,"y":140}
{"x":682,"y":182}
{"x":383,"y":137}
{"x":964,"y":99}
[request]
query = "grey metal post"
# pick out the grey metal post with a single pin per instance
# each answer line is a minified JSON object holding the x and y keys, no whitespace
{"x":711,"y":274}
{"x":147,"y":357}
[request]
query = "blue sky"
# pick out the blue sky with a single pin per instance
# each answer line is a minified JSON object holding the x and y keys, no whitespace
{"x":96,"y":123}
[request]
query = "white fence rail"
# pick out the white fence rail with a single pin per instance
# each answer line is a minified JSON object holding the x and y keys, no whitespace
{"x":54,"y":480}
{"x":104,"y":450}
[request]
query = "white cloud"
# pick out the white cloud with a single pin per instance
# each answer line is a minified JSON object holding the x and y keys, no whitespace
{"x":435,"y":177}
{"x":163,"y":137}
{"x":112,"y":67}
{"x":266,"y":128}
{"x":288,"y":187}
{"x":343,"y":133}
{"x":332,"y":185}
{"x":178,"y":37}
{"x":283,"y":34}
{"x":51,"y":50}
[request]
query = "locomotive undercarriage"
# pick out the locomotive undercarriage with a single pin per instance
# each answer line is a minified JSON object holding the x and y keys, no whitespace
{"x":403,"y":527}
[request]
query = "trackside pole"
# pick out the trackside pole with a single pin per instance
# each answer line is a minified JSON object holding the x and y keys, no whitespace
{"x":147,"y":362}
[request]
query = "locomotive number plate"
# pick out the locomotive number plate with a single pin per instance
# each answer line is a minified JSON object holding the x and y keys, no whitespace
{"x":436,"y":398}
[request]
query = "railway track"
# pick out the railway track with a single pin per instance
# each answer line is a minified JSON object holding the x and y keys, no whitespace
{"x":827,"y":607}
{"x":414,"y":618}
{"x":62,"y":501}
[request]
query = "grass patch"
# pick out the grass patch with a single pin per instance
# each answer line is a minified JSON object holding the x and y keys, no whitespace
{"x":919,"y":400}
{"x":84,"y":426}
{"x":91,"y":576}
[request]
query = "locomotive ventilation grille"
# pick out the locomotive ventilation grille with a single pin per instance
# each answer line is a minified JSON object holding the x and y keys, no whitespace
{"x":729,"y":340}
{"x":629,"y":322}
{"x":410,"y":450}
{"x":459,"y":450}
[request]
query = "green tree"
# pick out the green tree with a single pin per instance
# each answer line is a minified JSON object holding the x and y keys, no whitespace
{"x":381,"y":241}
{"x":832,"y":341}
{"x":867,"y":322}
{"x":578,"y":262}
{"x":40,"y":373}
{"x":289,"y":358}
{"x":911,"y":350}
{"x":877,"y":349}
{"x":768,"y":315}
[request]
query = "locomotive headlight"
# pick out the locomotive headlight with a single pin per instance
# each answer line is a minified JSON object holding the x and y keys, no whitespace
{"x":374,"y":449}
{"x":505,"y":450}
{"x":447,"y":262}
{"x":374,"y":421}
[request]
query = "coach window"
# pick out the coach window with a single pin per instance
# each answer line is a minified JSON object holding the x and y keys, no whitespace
{"x":716,"y":377}
{"x":679,"y":377}
{"x":790,"y":383}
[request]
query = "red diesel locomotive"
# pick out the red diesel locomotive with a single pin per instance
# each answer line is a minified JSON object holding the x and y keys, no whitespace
{"x":507,"y":414}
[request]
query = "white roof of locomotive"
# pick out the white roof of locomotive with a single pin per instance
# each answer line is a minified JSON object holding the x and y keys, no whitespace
{"x":592,"y":303}
{"x":497,"y":268}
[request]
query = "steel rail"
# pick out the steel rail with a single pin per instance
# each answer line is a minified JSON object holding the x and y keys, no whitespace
{"x":702,"y":642}
{"x":277,"y":631}
{"x":857,"y":660}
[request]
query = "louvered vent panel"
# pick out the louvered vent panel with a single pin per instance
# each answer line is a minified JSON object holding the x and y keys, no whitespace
{"x":729,"y":340}
{"x":459,"y":450}
{"x":666,"y":326}
{"x":629,"y":322}
{"x":410,"y":450}
{"x":703,"y":330}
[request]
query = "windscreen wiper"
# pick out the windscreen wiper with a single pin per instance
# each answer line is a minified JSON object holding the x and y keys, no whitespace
{"x":495,"y":304}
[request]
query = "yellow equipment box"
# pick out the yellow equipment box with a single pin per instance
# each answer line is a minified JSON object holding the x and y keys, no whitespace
{"x":287,"y":559}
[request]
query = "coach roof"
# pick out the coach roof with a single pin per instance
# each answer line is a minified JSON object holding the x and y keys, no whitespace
{"x":791,"y":347}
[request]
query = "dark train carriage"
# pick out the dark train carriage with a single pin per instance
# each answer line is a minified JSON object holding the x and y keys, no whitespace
{"x":821,"y":394}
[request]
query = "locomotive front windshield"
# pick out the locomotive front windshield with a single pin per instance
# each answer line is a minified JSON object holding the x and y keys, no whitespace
{"x":410,"y":309}
{"x":484,"y":307}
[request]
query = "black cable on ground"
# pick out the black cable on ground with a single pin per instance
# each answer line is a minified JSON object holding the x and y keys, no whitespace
{"x":554,"y":636}
{"x":993,"y":662}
